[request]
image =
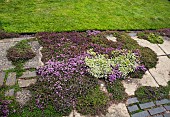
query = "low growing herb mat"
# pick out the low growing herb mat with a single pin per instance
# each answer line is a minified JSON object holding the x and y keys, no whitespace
{"x":75,"y":63}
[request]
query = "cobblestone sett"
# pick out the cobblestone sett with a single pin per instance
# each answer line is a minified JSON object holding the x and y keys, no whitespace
{"x":164,"y":101}
{"x":156,"y":110}
{"x":141,"y":114}
{"x":132,"y":100}
{"x":158,"y":116}
{"x":167,"y":108}
{"x":133,"y":108}
{"x":146,"y":105}
{"x":2,"y":76}
{"x":167,"y":115}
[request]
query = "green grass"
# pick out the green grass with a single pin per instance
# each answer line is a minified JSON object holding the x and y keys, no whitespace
{"x":67,"y":15}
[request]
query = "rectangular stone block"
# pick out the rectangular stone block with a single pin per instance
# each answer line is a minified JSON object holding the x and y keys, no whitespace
{"x":167,"y":108}
{"x":2,"y":76}
{"x":11,"y":80}
{"x":141,"y":114}
{"x":163,"y":101}
{"x":146,"y":105}
{"x":133,"y":108}
{"x":157,"y":110}
{"x":167,"y":115}
{"x":132,"y":100}
{"x":158,"y":116}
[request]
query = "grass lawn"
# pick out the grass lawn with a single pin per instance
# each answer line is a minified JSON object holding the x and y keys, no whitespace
{"x":67,"y":15}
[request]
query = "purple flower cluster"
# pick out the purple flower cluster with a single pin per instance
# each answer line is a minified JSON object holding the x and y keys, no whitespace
{"x":141,"y":68}
{"x":92,"y":32}
{"x":64,"y":69}
{"x":116,"y":74}
{"x":4,"y":109}
{"x":64,"y":81}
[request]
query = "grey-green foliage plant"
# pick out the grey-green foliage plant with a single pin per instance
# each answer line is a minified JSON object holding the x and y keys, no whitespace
{"x":101,"y":66}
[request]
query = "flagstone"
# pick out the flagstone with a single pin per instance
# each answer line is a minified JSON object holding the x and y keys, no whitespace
{"x":146,"y":43}
{"x":166,"y":46}
{"x":131,"y":84}
{"x":162,"y":70}
{"x":25,"y":83}
{"x":36,"y":61}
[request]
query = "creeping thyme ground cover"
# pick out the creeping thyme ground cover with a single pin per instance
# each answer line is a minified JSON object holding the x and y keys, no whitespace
{"x":75,"y":62}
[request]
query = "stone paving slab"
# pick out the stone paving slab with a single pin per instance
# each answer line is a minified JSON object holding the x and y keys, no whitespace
{"x":156,"y":110}
{"x":25,"y":83}
{"x":163,"y":101}
{"x":158,"y":116}
{"x":167,"y":107}
{"x":146,"y":43}
{"x":131,"y":84}
{"x":166,"y":46}
{"x":167,"y":115}
{"x":147,"y":105}
{"x":36,"y":61}
{"x":132,"y":34}
{"x":9,"y":92}
{"x":28,"y":74}
{"x":118,"y":110}
{"x":4,"y":63}
{"x":14,"y":39}
{"x":115,"y":110}
{"x":162,"y":70}
{"x":111,"y":38}
{"x":11,"y":79}
{"x":141,"y":114}
{"x":2,"y":76}
{"x":132,"y":100}
{"x":133,"y":108}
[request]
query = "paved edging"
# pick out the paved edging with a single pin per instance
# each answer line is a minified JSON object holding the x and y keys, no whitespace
{"x":154,"y":108}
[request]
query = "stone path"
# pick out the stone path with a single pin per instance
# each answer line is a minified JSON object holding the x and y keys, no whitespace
{"x":161,"y":74}
{"x":154,"y":77}
{"x":28,"y":77}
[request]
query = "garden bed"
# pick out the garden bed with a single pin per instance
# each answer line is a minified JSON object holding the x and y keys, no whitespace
{"x":77,"y":64}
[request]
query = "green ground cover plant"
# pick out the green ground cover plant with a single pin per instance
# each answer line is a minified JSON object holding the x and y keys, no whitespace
{"x":5,"y":35}
{"x":151,"y":37}
{"x":146,"y":93}
{"x":94,"y":103}
{"x":65,"y":82}
{"x":117,"y":90}
{"x":19,"y":54}
{"x":69,"y":15}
